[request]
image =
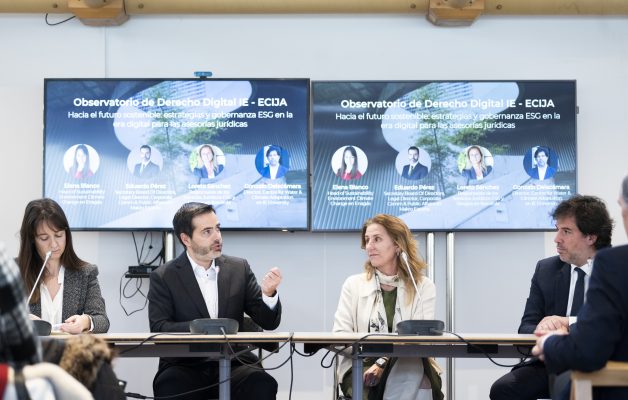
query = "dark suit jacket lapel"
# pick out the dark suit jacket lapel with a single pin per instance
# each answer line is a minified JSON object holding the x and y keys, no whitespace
{"x":189,"y":285}
{"x":563,"y":279}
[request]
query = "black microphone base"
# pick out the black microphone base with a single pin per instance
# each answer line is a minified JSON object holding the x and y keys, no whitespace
{"x":42,"y":328}
{"x":214,"y":326}
{"x":421,"y":327}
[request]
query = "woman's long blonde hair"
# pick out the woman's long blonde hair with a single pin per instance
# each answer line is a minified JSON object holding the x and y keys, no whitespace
{"x":482,"y":162}
{"x":403,"y":238}
{"x":201,"y":163}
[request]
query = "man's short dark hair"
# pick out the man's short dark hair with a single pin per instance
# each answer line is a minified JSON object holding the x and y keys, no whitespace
{"x":182,"y":221}
{"x":145,"y":146}
{"x":275,"y":149}
{"x":591,"y":217}
{"x":541,"y":149}
{"x":413,"y":148}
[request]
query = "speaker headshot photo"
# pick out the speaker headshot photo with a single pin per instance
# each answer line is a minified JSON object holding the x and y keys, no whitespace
{"x":207,"y":162}
{"x":145,"y":168}
{"x":415,"y":170}
{"x":272,"y":162}
{"x":81,"y":161}
{"x":475,"y":163}
{"x":349,"y":163}
{"x":540,"y":163}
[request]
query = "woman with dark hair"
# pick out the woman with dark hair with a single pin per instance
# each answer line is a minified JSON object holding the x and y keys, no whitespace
{"x":207,"y":167}
{"x":81,"y":168}
{"x":349,"y":167}
{"x":391,"y":289}
{"x":68,"y":294}
{"x":476,"y":166}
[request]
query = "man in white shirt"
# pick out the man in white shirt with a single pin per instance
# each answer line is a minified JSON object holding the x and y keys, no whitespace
{"x":204,"y":283}
{"x":583,"y":226}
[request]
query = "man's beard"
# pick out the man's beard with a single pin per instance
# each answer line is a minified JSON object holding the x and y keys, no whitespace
{"x":206,"y":251}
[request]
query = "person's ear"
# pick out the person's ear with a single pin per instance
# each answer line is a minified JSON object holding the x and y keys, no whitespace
{"x":185,"y":239}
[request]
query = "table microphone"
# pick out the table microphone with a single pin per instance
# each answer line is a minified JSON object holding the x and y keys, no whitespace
{"x":42,"y":328}
{"x":421,"y":327}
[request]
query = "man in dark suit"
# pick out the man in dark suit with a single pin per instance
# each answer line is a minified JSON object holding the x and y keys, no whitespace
{"x":414,"y":170}
{"x":583,"y":226}
{"x":204,"y":283}
{"x":601,"y":333}
{"x":145,"y":169}
{"x":543,"y":170}
{"x":274,"y":169}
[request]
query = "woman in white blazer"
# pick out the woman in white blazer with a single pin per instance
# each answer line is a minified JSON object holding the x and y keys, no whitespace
{"x":380,"y":297}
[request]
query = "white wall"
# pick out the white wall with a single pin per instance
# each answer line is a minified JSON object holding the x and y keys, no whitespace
{"x":493,"y":270}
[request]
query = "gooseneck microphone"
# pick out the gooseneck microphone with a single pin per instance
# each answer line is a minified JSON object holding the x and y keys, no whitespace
{"x":404,"y":257}
{"x":423,"y":327}
{"x":48,"y":254}
{"x":42,"y":328}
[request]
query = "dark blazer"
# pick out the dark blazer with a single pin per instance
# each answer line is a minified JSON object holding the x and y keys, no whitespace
{"x":281,"y":171}
{"x":601,"y":333}
{"x":201,"y":173}
{"x":549,"y":293}
{"x":150,"y":171}
{"x":418,"y":172}
{"x":470,"y":173}
{"x":534,"y":172}
{"x":175,"y":299}
{"x":81,"y":295}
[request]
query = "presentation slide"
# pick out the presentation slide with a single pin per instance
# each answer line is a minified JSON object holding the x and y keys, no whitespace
{"x":442,"y":155}
{"x":127,"y":153}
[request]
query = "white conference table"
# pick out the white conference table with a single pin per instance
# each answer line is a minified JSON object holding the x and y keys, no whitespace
{"x":358,"y":345}
{"x":477,"y":345}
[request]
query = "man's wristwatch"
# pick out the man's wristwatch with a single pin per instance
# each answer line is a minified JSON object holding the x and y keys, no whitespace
{"x":381,"y":362}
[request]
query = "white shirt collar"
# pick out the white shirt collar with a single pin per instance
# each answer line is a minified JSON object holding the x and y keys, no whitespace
{"x":542,"y":171}
{"x":199,"y":268}
{"x":587,"y":267}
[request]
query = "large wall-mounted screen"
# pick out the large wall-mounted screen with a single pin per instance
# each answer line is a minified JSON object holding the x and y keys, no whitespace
{"x":443,"y":156}
{"x":127,"y":153}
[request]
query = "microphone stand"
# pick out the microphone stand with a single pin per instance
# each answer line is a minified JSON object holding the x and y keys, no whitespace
{"x":42,"y":328}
